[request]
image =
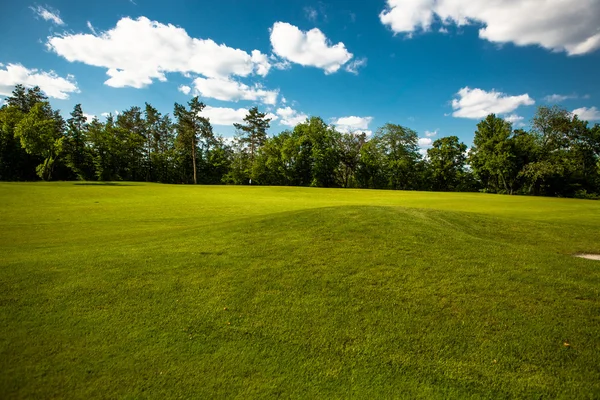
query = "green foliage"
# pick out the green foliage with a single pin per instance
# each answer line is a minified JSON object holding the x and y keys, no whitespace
{"x":399,"y":149}
{"x":492,"y":155}
{"x":447,"y":161}
{"x":40,"y":133}
{"x":253,"y":134}
{"x":193,"y":130}
{"x":77,"y":154}
{"x":559,"y":156}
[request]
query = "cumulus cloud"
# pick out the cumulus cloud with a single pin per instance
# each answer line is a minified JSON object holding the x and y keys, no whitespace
{"x":558,"y":98}
{"x":290,"y":117}
{"x":224,"y":116}
{"x":425,"y":142}
{"x":477,"y":103}
{"x":557,"y":25}
{"x":48,"y":15}
{"x":53,"y":85}
{"x":90,"y":117}
{"x":353,"y":124}
{"x":431,"y":133}
{"x":184,"y":89}
{"x":230,"y":90}
{"x":587,"y":114}
{"x":138,"y":51}
{"x":310,"y":48}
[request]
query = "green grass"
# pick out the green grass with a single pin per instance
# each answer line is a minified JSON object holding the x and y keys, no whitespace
{"x":155,"y":291}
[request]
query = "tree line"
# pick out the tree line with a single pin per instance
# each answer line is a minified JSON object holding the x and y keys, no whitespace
{"x":558,"y":156}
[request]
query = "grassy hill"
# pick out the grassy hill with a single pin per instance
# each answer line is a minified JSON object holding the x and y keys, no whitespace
{"x":156,"y":291}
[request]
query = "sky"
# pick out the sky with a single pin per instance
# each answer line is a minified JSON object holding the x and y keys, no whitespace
{"x":435,"y":66}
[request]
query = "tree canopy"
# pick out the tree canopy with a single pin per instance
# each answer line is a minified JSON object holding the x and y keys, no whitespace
{"x":558,"y":156}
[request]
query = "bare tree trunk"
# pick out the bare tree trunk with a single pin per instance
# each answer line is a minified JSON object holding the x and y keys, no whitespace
{"x":194,"y":159}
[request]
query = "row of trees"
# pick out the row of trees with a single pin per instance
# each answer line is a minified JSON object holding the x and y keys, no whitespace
{"x":559,"y":156}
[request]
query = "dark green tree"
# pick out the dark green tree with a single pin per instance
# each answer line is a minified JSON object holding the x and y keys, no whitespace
{"x":447,"y":159}
{"x":77,"y":157}
{"x":400,"y":149}
{"x":191,"y":128}
{"x":492,"y":155}
{"x":41,"y":134}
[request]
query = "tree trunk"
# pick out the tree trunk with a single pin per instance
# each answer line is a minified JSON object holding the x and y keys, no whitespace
{"x":194,"y":160}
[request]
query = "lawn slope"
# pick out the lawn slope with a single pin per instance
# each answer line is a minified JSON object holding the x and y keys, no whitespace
{"x":156,"y":291}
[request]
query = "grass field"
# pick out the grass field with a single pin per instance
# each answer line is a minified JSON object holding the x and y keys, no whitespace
{"x":155,"y":291}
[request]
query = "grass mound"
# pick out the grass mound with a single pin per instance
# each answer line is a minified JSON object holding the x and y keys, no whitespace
{"x":195,"y":292}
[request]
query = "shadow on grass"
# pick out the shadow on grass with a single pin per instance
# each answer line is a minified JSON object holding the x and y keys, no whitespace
{"x":102,"y":184}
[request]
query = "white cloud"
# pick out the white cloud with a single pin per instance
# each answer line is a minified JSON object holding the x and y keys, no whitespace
{"x":90,"y":117}
{"x":48,"y":15}
{"x":184,"y":89}
{"x":91,"y":28}
{"x":587,"y":114}
{"x":224,"y":116}
{"x":280,"y":64}
{"x":512,"y":118}
{"x":261,"y":62}
{"x":558,"y":25}
{"x":425,"y":142}
{"x":558,"y":98}
{"x":230,"y":90}
{"x":136,"y":52}
{"x":477,"y":103}
{"x":515,"y":119}
{"x":353,"y":66}
{"x":291,"y":117}
{"x":50,"y":83}
{"x":353,"y":124}
{"x":310,"y":48}
{"x":431,"y":133}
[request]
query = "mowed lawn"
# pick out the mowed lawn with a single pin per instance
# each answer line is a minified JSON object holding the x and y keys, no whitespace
{"x":171,"y":291}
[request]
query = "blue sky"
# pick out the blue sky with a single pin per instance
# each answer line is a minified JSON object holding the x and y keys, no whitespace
{"x":436,"y":66}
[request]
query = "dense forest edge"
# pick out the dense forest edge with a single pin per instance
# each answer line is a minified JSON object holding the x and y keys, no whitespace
{"x":558,"y":156}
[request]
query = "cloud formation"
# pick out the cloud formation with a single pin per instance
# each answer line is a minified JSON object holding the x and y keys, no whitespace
{"x":138,"y":51}
{"x":310,"y":48}
{"x":230,"y":90}
{"x":353,"y":124}
{"x":477,"y":103}
{"x":290,"y":117}
{"x":587,"y":114}
{"x":224,"y":115}
{"x":557,"y":25}
{"x":48,"y":15}
{"x":53,"y":85}
{"x":184,"y":89}
{"x":425,"y":142}
{"x":558,"y":98}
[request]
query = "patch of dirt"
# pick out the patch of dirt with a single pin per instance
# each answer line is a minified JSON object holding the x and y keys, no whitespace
{"x":589,"y":256}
